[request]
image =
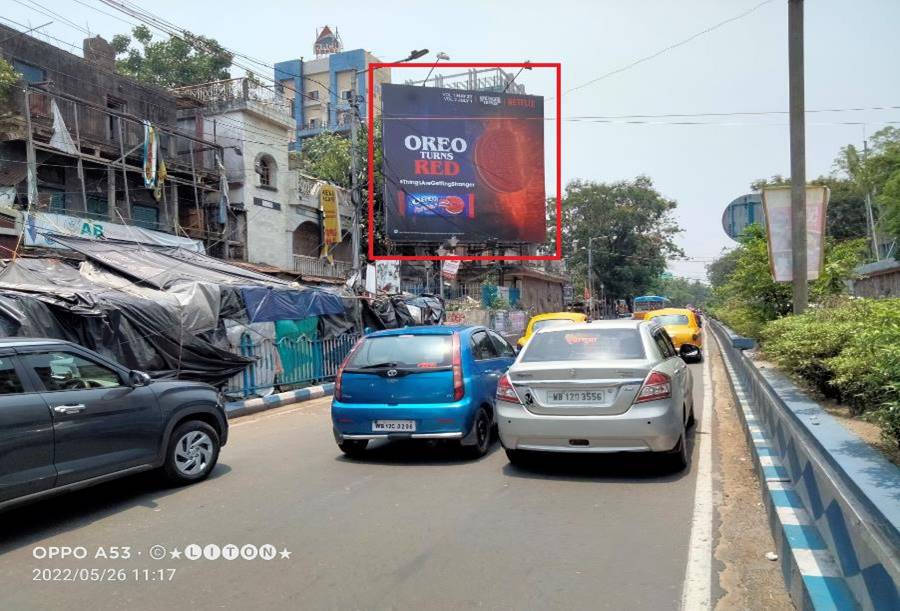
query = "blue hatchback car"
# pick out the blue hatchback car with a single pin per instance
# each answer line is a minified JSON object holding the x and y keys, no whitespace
{"x":433,"y":382}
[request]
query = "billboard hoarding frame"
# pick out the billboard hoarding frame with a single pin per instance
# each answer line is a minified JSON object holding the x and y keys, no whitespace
{"x":370,"y":118}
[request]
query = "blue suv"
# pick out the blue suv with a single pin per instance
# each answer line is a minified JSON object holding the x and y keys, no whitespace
{"x":420,"y":383}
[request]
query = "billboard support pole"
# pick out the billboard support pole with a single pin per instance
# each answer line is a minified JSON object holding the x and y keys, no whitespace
{"x":798,"y":154}
{"x":590,"y":279}
{"x":354,"y":190}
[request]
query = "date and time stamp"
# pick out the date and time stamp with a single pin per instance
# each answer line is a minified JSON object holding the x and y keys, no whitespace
{"x":121,"y":555}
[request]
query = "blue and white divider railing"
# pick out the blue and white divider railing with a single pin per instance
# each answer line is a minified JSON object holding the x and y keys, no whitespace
{"x":833,"y":502}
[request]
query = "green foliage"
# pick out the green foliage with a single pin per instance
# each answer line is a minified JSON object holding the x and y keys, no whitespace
{"x":8,"y":78}
{"x":681,"y":291}
{"x":176,"y":62}
{"x":850,"y":352}
{"x":747,"y":297}
{"x":633,"y":229}
{"x":327,"y":157}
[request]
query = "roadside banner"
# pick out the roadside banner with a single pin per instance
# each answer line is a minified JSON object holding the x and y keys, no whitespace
{"x":387,"y":276}
{"x":777,"y":204}
{"x":331,"y":218}
{"x":461,"y":163}
{"x":450,"y":269}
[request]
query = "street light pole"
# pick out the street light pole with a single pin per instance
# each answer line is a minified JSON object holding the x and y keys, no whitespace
{"x":798,"y":153}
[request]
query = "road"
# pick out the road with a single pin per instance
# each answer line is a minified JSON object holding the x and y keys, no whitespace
{"x":407,"y":527}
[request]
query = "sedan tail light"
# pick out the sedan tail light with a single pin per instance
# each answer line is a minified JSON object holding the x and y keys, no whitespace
{"x":459,"y":388}
{"x":657,"y":386}
{"x":340,"y":374}
{"x":506,"y":392}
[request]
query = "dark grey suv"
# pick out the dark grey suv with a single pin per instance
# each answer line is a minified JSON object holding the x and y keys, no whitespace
{"x":70,"y":418}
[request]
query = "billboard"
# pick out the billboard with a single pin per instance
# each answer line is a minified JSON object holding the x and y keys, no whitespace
{"x":777,"y":203}
{"x":458,"y":163}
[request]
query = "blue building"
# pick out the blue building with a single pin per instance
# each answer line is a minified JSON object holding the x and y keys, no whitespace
{"x":319,"y":90}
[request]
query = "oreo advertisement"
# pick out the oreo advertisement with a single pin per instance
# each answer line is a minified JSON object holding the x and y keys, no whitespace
{"x":462,"y":163}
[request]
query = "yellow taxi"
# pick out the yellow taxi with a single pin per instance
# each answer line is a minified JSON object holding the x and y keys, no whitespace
{"x":552,"y":319}
{"x":683,"y":327}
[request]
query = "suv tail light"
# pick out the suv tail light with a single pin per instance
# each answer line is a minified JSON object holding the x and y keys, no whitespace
{"x":506,"y":392}
{"x":657,"y":386}
{"x":459,"y":388}
{"x":340,"y":374}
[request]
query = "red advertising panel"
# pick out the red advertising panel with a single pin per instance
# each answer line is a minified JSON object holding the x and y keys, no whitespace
{"x":463,"y":163}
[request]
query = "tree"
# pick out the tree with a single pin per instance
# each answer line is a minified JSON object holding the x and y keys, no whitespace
{"x":681,"y":291}
{"x":327,"y":157}
{"x":721,"y":269}
{"x":176,"y":62}
{"x":632,"y":227}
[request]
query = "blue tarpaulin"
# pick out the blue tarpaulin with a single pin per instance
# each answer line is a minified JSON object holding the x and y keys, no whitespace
{"x":268,"y":304}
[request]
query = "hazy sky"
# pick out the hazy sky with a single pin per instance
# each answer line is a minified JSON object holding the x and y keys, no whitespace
{"x":852,"y":54}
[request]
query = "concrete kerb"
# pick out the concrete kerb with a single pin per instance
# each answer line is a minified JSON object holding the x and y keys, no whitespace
{"x":258,"y":404}
{"x":836,"y":547}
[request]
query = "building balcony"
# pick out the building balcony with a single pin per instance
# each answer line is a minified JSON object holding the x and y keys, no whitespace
{"x":235,"y":90}
{"x":314,"y":266}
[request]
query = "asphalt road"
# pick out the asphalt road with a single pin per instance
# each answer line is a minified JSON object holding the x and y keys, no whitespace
{"x":407,"y":527}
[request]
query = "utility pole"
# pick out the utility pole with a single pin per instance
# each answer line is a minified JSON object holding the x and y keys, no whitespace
{"x":870,"y":214}
{"x":590,"y":279}
{"x":354,"y":167}
{"x":798,"y":153}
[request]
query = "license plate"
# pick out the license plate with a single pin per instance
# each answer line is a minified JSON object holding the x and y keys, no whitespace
{"x":581,"y":396}
{"x":394,"y":426}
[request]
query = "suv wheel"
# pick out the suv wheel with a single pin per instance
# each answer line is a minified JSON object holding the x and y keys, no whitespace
{"x":192,"y":453}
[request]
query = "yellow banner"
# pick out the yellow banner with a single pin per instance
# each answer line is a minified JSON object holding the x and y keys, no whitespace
{"x":331,"y":218}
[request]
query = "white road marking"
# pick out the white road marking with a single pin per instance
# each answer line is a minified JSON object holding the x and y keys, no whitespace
{"x":697,"y":592}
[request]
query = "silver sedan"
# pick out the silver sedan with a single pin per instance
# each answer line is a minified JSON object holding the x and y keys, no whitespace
{"x":604,"y":386}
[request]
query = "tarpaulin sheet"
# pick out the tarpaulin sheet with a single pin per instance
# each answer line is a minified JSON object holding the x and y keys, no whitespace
{"x":267,"y":304}
{"x":140,"y":333}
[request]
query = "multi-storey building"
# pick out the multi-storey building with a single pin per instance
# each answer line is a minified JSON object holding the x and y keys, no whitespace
{"x":319,"y":90}
{"x":277,"y":209}
{"x":87,"y":127}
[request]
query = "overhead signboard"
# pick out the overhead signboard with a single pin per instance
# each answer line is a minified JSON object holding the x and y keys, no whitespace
{"x":777,"y":204}
{"x":741,"y":213}
{"x":458,"y":163}
{"x":40,"y":227}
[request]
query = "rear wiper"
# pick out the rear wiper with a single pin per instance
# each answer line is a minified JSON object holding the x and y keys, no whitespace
{"x":378,"y":365}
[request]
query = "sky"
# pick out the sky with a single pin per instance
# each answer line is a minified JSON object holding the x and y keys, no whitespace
{"x":852,"y":50}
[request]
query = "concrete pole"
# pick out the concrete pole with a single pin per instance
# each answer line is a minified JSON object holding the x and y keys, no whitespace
{"x":590,"y":279}
{"x":798,"y":153}
{"x":354,"y":167}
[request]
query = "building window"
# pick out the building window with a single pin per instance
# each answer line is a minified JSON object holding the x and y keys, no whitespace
{"x":32,"y":74}
{"x":266,"y":169}
{"x":115,"y":105}
{"x":345,"y":95}
{"x":313,"y":95}
{"x":313,"y":123}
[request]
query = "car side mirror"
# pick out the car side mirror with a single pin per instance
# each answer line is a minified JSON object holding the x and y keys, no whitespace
{"x":690,"y":353}
{"x":138,"y":378}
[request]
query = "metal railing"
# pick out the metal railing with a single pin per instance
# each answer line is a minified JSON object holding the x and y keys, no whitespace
{"x":235,"y":89}
{"x":288,"y":362}
{"x":314,"y":266}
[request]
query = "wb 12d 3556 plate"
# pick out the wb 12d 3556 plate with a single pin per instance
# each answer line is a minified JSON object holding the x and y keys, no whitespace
{"x":394,"y":426}
{"x":587,"y":397}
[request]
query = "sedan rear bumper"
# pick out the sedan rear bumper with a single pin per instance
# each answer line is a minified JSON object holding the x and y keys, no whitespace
{"x":655,"y":426}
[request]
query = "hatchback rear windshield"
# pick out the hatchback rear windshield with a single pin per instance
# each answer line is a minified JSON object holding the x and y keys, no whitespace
{"x":413,"y":351}
{"x":671,"y":319}
{"x":550,"y":323}
{"x":585,"y":344}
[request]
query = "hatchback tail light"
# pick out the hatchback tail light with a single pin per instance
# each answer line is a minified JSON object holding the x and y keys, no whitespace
{"x":459,"y":388}
{"x":340,"y":374}
{"x":657,"y":386}
{"x":506,"y":392}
